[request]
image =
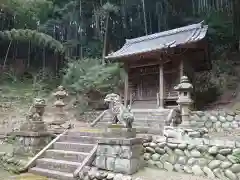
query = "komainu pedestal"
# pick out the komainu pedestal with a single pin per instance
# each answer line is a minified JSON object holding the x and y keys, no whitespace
{"x":120,"y":151}
{"x":33,"y":135}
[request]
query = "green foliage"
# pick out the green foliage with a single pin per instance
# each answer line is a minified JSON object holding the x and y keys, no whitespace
{"x":206,"y":90}
{"x":27,"y":14}
{"x":37,"y":38}
{"x":79,"y":27}
{"x":88,"y":75}
{"x":91,"y":79}
{"x":223,"y":75}
{"x":237,"y":157}
{"x":220,"y":33}
{"x":209,"y":85}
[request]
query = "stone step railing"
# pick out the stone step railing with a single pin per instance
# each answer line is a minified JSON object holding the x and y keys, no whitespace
{"x":99,"y":118}
{"x":87,"y":161}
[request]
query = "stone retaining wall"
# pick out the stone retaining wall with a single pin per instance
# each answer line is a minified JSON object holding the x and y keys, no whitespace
{"x":202,"y":157}
{"x":119,"y":155}
{"x":92,"y":173}
{"x":215,"y":121}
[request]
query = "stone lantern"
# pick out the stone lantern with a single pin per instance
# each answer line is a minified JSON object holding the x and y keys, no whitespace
{"x":184,"y":99}
{"x":33,"y":135}
{"x":60,"y":94}
{"x":60,"y":116}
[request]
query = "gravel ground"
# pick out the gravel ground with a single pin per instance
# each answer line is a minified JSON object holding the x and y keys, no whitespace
{"x":155,"y":174}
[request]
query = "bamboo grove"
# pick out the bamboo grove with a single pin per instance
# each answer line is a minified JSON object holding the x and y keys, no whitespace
{"x":93,"y":28}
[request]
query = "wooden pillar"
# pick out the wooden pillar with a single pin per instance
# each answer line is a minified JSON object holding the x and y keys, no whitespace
{"x":161,"y":86}
{"x":181,"y":69}
{"x":126,"y":88}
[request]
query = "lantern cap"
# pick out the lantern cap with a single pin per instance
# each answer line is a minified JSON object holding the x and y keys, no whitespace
{"x":184,"y":84}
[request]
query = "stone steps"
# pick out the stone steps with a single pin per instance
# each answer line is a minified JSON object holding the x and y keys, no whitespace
{"x":66,"y":155}
{"x":82,"y":139}
{"x":155,"y":124}
{"x":142,"y":120}
{"x":97,"y":133}
{"x":52,"y":174}
{"x":147,"y":130}
{"x":152,"y":118}
{"x":57,"y":165}
{"x":141,"y":128}
{"x":71,"y":146}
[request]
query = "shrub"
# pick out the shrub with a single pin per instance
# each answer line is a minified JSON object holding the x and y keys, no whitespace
{"x":209,"y":85}
{"x":90,"y":80}
{"x":206,"y":91}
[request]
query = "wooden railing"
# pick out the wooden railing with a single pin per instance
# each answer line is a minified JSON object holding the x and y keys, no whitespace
{"x":98,"y":118}
{"x":32,"y":162}
{"x":87,"y":161}
{"x":131,"y":99}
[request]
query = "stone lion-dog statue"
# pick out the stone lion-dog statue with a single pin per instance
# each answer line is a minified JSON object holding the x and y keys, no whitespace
{"x":120,"y":113}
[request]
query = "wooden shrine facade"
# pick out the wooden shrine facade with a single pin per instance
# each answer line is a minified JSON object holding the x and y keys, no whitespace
{"x":155,"y":63}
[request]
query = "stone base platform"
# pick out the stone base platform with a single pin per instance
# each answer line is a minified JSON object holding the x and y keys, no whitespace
{"x":119,"y":131}
{"x":30,"y":143}
{"x":120,"y":151}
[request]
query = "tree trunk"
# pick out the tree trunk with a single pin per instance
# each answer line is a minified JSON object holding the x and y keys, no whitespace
{"x":44,"y":58}
{"x":29,"y":52}
{"x":81,"y":48}
{"x":5,"y":60}
{"x":144,"y":17}
{"x":105,"y":38}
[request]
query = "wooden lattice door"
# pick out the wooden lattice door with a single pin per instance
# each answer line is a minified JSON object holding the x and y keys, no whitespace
{"x":149,"y":86}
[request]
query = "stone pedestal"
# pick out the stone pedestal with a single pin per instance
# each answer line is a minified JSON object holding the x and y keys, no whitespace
{"x":120,"y":151}
{"x":33,"y":135}
{"x":30,"y":143}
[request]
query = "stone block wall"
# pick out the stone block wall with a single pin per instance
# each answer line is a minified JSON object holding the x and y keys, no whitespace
{"x":202,"y":157}
{"x":119,"y":155}
{"x":215,"y":121}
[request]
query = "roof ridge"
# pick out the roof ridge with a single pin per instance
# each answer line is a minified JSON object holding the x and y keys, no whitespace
{"x":164,"y":33}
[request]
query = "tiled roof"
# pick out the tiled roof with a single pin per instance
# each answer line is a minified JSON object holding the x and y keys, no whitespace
{"x":161,"y":40}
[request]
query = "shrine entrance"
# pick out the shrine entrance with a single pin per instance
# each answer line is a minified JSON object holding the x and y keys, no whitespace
{"x":145,"y":82}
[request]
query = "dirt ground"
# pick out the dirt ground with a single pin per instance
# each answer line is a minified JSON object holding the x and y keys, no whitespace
{"x":155,"y":174}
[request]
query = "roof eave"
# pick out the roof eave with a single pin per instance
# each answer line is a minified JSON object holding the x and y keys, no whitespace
{"x":112,"y":57}
{"x":154,"y":50}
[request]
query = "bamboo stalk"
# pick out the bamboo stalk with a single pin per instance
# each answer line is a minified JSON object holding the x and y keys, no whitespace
{"x":144,"y":17}
{"x":5,"y":60}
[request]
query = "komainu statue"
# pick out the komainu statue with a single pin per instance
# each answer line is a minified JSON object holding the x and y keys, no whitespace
{"x":120,"y":113}
{"x":174,"y":118}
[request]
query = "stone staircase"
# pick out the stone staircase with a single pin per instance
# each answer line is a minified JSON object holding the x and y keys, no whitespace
{"x":66,"y":155}
{"x":147,"y":121}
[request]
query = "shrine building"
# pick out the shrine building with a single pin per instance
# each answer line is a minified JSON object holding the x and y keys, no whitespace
{"x":154,"y":64}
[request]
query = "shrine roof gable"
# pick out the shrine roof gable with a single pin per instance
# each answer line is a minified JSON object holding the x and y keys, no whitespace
{"x":162,"y":40}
